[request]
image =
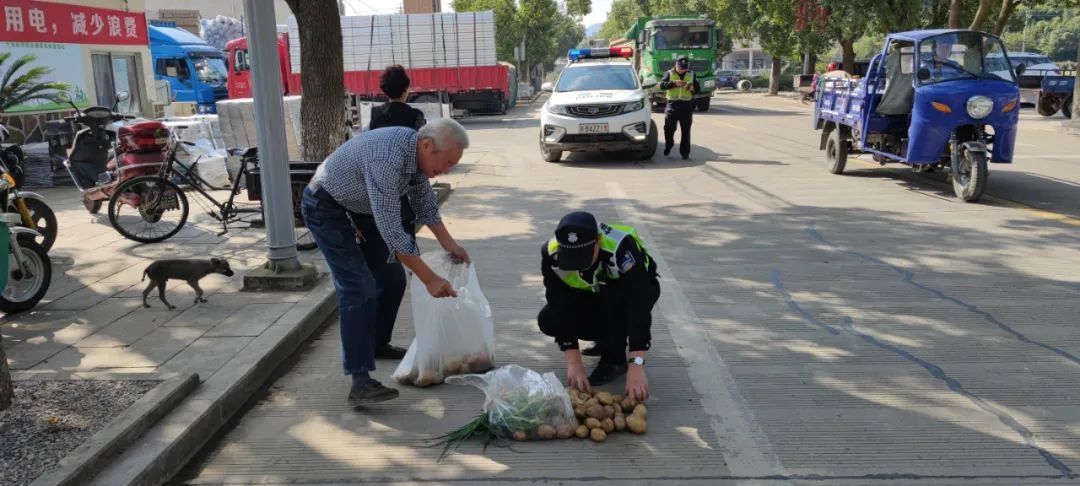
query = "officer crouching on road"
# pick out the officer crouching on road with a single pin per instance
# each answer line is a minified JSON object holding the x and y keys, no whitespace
{"x":679,"y":84}
{"x":601,"y":286}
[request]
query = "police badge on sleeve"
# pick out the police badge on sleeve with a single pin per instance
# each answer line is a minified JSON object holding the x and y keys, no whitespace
{"x":627,"y":262}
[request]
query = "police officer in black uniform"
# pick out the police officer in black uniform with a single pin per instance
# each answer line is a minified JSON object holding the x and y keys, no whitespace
{"x":679,"y":84}
{"x":600,"y":285}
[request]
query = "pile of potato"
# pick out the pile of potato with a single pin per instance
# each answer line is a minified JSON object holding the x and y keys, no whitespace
{"x":603,"y":413}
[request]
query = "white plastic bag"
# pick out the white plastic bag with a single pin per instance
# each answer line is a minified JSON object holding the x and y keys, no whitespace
{"x":522,"y":404}
{"x":454,"y":335}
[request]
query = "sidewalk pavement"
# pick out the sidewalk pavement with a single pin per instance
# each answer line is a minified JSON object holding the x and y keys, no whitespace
{"x":91,"y":325}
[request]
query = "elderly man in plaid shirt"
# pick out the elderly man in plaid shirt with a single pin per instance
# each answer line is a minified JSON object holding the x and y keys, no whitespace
{"x":354,"y":196}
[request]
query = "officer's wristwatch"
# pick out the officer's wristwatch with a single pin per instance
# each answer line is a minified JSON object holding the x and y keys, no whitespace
{"x":636,"y":361}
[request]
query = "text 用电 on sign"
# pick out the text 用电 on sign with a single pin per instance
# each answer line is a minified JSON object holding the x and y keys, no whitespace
{"x":32,"y":21}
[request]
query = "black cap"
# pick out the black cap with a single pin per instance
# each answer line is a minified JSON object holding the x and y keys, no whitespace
{"x":577,"y":233}
{"x":683,"y":62}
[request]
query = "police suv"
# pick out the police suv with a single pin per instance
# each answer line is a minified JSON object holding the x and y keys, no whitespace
{"x":598,"y":105}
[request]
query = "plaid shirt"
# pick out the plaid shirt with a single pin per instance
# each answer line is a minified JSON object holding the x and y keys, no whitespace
{"x":369,"y":174}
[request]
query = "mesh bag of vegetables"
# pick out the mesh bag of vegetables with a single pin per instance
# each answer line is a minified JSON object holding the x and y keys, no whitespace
{"x":521,"y":404}
{"x":454,"y":335}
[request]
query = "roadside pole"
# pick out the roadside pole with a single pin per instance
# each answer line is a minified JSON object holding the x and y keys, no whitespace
{"x":282,"y":270}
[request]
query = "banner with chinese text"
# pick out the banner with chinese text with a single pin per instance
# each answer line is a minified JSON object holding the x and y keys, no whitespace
{"x":31,"y":21}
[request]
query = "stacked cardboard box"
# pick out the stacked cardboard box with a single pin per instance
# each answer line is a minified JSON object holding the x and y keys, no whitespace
{"x":416,"y":41}
{"x":236,"y":119}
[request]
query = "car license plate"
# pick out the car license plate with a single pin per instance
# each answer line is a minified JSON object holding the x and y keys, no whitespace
{"x":593,"y":128}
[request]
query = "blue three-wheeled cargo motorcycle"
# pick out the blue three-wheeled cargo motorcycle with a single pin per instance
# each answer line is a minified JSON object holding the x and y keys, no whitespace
{"x":931,"y":100}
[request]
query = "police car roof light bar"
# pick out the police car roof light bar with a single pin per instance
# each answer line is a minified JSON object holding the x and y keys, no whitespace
{"x":579,"y":54}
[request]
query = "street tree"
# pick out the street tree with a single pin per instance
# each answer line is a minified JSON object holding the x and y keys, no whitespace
{"x":19,"y":88}
{"x":322,"y":110}
{"x":772,"y":22}
{"x":507,"y":28}
{"x":620,"y":18}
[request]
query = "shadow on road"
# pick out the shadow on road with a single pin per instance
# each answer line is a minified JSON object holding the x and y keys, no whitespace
{"x":784,"y":297}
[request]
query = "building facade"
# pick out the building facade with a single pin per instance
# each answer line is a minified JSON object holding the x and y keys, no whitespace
{"x":96,"y":47}
{"x":747,"y":59}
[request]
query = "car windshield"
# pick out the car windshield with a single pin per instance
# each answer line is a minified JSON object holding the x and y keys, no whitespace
{"x":682,"y":37}
{"x":598,"y":77}
{"x":963,"y":55}
{"x":211,"y":70}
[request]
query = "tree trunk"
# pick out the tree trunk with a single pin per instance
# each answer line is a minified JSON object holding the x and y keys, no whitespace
{"x":1076,"y":91}
{"x":847,"y":46}
{"x":981,"y":15}
{"x":6,"y":390}
{"x":322,"y":110}
{"x":955,"y":9}
{"x":1007,"y":8}
{"x":774,"y":79}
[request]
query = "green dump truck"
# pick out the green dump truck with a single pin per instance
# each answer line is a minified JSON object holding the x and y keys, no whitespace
{"x":659,"y":41}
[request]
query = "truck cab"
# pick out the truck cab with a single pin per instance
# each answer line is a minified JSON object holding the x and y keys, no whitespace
{"x":662,"y":40}
{"x":239,"y":61}
{"x":195,"y":70}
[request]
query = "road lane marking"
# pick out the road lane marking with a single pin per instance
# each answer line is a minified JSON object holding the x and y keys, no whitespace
{"x":745,"y":446}
{"x":1042,"y":213}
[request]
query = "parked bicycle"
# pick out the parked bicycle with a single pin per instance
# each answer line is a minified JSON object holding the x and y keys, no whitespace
{"x":153,"y":208}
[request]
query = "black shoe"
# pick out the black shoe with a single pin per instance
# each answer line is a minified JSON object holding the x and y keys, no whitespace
{"x":686,"y":157}
{"x":371,"y":392}
{"x":667,"y":151}
{"x":593,"y":350}
{"x":606,"y":373}
{"x":389,"y":351}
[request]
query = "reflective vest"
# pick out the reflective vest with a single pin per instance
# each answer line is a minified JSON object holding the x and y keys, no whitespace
{"x":681,"y":94}
{"x":611,"y":236}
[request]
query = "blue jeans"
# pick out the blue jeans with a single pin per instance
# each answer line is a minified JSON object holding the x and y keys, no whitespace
{"x":369,"y":289}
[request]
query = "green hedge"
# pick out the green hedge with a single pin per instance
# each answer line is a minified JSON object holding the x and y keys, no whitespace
{"x":787,"y":82}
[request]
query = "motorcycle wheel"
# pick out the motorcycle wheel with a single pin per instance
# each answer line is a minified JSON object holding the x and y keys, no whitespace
{"x":159,"y":212}
{"x":23,"y":292}
{"x":969,"y":175}
{"x":44,"y":222}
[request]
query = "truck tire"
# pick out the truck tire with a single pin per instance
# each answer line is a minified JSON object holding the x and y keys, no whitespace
{"x":1066,"y":108}
{"x":702,"y":104}
{"x":651,"y":141}
{"x":744,"y":85}
{"x":1046,"y":107}
{"x":549,"y":155}
{"x":969,"y":175}
{"x":836,"y":151}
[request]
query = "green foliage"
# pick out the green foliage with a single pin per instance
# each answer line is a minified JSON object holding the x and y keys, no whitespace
{"x":1054,"y":32}
{"x":18,"y":89}
{"x":622,"y":15}
{"x":507,"y":29}
{"x":547,"y":30}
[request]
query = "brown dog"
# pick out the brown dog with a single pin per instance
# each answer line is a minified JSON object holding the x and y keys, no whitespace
{"x":190,"y":271}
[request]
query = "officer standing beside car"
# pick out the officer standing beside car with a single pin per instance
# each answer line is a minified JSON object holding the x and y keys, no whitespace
{"x":679,"y":85}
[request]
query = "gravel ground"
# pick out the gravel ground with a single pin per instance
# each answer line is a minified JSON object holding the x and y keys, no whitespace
{"x":51,"y":418}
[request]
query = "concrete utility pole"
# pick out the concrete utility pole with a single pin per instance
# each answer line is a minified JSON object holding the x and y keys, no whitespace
{"x":283,"y":267}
